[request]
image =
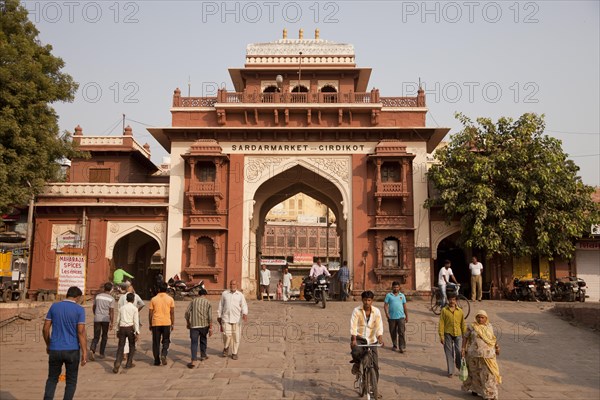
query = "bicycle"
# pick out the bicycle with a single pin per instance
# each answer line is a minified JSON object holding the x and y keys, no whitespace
{"x":366,"y":382}
{"x":461,"y":301}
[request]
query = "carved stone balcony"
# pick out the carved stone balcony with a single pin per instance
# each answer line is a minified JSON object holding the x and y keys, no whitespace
{"x":393,"y":221}
{"x":198,"y":221}
{"x":391,"y":189}
{"x":231,"y":98}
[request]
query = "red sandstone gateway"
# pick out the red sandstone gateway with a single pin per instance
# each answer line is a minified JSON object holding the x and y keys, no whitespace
{"x":300,"y":119}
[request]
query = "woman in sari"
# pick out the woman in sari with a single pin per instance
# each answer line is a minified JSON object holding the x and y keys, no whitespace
{"x":481,"y":348}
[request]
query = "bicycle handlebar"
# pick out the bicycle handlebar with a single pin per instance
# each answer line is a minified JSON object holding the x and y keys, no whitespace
{"x":369,"y":345}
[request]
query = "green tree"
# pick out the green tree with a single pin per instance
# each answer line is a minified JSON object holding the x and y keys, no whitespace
{"x":513,"y":189}
{"x":30,"y":80}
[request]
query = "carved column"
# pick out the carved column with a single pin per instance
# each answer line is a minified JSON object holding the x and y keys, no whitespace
{"x":192,"y":163}
{"x":192,"y":249}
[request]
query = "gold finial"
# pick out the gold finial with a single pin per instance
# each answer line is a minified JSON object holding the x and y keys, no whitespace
{"x":301,"y":34}
{"x":317,"y":33}
{"x":284,"y":33}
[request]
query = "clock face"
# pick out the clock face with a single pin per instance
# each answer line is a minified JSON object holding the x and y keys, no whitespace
{"x":390,"y":248}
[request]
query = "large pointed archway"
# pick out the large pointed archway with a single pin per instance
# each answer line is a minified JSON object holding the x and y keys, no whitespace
{"x":325,"y":179}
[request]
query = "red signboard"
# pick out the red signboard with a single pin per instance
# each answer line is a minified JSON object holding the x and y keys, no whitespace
{"x":303,"y":258}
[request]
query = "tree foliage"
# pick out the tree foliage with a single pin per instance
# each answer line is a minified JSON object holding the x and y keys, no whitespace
{"x":513,"y":188}
{"x":30,"y":81}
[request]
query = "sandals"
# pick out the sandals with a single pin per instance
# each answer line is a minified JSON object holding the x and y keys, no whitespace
{"x":191,"y":365}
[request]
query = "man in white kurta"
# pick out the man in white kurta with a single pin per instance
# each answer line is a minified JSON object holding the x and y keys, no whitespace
{"x":232,"y":308}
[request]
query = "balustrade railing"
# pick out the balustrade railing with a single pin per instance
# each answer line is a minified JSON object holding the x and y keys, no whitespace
{"x":300,"y":98}
{"x":106,"y":189}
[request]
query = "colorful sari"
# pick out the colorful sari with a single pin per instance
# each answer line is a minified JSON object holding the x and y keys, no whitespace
{"x":484,"y":374}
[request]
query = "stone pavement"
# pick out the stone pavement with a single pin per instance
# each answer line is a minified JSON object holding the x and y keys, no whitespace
{"x":297,"y":350}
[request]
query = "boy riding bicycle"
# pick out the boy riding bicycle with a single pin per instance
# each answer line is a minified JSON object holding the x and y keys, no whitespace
{"x":366,"y":327}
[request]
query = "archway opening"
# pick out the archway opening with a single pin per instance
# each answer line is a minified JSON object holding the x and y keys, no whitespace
{"x":298,"y":217}
{"x":448,"y":249}
{"x":136,"y":254}
{"x":299,"y":89}
{"x":270,"y":89}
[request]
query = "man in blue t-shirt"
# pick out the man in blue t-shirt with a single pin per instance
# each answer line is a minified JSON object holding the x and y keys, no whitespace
{"x":396,"y":313}
{"x":68,"y":343}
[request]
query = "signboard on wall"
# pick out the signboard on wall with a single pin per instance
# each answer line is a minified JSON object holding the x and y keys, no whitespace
{"x":303,"y":258}
{"x":71,"y":272}
{"x":267,"y":261}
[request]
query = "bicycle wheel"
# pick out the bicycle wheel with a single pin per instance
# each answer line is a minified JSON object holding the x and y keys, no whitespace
{"x":372,"y":390}
{"x":435,"y":303}
{"x":464,"y":303}
{"x":364,"y":383}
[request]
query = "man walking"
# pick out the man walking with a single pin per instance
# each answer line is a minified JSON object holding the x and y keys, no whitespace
{"x":198,"y":317}
{"x":68,"y":343}
{"x":475,"y":267}
{"x":444,"y":278}
{"x":128,"y":329}
{"x":104,"y":310}
{"x":451,"y":329}
{"x":397,"y":315}
{"x":287,"y":284}
{"x":161,"y":316}
{"x":343,"y":276}
{"x":366,"y":327}
{"x":139,"y":304}
{"x":265,"y":281}
{"x":232,"y":307}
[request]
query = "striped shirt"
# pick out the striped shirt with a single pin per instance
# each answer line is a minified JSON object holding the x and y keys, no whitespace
{"x":371,"y":329}
{"x":199,"y":313}
{"x":452,"y":323}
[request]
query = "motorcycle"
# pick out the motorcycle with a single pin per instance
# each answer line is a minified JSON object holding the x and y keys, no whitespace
{"x":523,"y":289}
{"x":317,"y":290}
{"x":569,"y":288}
{"x":582,"y":286}
{"x":543,"y":289}
{"x":179,"y":289}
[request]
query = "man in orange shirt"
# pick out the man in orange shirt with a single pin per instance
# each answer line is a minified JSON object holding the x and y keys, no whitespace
{"x":161,"y":319}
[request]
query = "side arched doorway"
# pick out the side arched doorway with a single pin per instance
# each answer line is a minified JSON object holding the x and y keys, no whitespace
{"x":133,"y":252}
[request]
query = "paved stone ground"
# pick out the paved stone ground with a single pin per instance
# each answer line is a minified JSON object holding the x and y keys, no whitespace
{"x":297,"y":350}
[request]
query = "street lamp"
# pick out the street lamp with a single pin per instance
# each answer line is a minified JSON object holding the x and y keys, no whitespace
{"x":279,"y":81}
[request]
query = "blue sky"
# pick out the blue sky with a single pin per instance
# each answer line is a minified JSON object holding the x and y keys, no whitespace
{"x":480,"y":58}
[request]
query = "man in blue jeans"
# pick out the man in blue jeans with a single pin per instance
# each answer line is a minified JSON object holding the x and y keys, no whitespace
{"x":397,"y":316}
{"x":68,"y":343}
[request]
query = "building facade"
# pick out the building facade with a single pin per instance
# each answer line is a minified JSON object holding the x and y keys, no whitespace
{"x":299,"y":120}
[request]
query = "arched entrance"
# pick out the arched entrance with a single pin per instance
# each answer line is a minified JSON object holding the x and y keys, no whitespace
{"x":133,"y":252}
{"x":448,"y":249}
{"x":280,"y":180}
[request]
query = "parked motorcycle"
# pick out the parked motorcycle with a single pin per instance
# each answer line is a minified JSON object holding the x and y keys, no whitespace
{"x":543,"y":289}
{"x":569,"y":288}
{"x":523,"y":289}
{"x":582,"y":286}
{"x":317,"y":290}
{"x":179,"y":289}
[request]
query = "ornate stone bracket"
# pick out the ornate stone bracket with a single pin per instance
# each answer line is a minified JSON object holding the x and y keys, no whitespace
{"x":194,"y":270}
{"x":391,"y":272}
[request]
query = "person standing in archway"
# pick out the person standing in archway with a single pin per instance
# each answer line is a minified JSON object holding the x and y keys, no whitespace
{"x":265,"y":281}
{"x":475,"y":267}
